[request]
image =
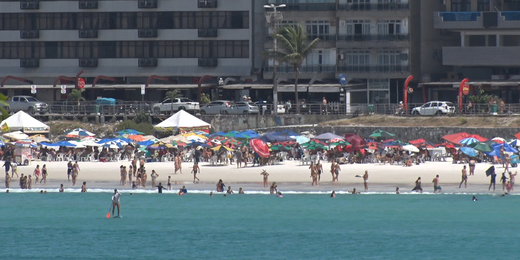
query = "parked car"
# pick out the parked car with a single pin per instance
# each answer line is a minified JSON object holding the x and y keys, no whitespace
{"x":28,"y":104}
{"x":178,"y":104}
{"x":434,"y":108}
{"x":215,"y":107}
{"x":242,"y":108}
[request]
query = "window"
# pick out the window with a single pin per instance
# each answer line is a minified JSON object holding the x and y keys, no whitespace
{"x":385,"y":27}
{"x":318,"y":29}
{"x":483,"y":6}
{"x":460,"y":5}
{"x":358,"y":27}
{"x":357,"y":57}
{"x":389,"y":61}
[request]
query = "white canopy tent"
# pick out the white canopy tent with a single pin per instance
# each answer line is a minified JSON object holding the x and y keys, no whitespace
{"x":21,"y":121}
{"x":184,"y":122}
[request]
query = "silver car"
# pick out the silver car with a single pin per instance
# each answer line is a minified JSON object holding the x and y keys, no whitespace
{"x":242,"y":108}
{"x":434,"y":108}
{"x":215,"y":107}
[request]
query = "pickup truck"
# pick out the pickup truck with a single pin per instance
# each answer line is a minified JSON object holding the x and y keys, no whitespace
{"x":167,"y":106}
{"x":28,"y":104}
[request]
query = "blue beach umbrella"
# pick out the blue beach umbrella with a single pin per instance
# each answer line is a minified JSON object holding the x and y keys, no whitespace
{"x":468,"y":141}
{"x":469,"y":151}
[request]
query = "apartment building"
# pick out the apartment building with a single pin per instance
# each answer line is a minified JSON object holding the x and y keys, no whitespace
{"x":369,"y":41}
{"x":117,"y":45}
{"x":485,"y":48}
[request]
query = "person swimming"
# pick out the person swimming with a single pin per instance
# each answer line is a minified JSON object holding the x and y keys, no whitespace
{"x":474,"y":198}
{"x":333,"y":194}
{"x":279,"y":195}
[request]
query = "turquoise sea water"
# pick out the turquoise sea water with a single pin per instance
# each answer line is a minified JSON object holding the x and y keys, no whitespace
{"x":297,"y":226}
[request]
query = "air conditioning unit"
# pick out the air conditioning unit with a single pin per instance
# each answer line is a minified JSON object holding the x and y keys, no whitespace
{"x":29,"y":5}
{"x":207,"y":4}
{"x":90,"y":33}
{"x":147,"y":4}
{"x":29,"y":63}
{"x":88,"y":4}
{"x":29,"y":34}
{"x":147,"y":62}
{"x":91,"y":62}
{"x":404,"y":56}
{"x":210,"y":32}
{"x":207,"y":62}
{"x":147,"y":33}
{"x":341,"y":56}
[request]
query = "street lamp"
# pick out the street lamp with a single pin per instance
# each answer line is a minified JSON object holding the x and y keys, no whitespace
{"x":273,"y":18}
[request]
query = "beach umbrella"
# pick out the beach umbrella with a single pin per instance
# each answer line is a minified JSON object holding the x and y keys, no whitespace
{"x":112,"y":145}
{"x":327,"y":136}
{"x":250,"y":134}
{"x":175,"y":138}
{"x":79,"y":132}
{"x":514,"y":142}
{"x":302,"y":139}
{"x":273,"y":137}
{"x":490,"y":170}
{"x":506,"y":147}
{"x":260,"y":147}
{"x":146,"y":143}
{"x":410,"y":148}
{"x":469,"y":151}
{"x":417,"y":141}
{"x":221,"y":148}
{"x":196,"y":138}
{"x":219,"y":138}
{"x":129,"y":132}
{"x":455,"y":138}
{"x":179,"y":143}
{"x":159,"y":145}
{"x":380,"y":134}
{"x":16,"y":135}
{"x":39,"y":138}
{"x":355,"y":140}
{"x":219,"y":133}
{"x":517,"y":135}
{"x":468,"y":141}
{"x":340,"y":142}
{"x":231,"y":141}
{"x":235,"y":134}
{"x":483,"y":147}
{"x":279,"y":147}
{"x":137,"y":138}
{"x":498,"y":140}
{"x":58,"y":144}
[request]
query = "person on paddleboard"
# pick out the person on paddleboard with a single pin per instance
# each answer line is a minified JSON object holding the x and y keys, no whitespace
{"x":116,"y":202}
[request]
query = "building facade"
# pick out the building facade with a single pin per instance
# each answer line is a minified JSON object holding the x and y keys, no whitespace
{"x":122,"y":43}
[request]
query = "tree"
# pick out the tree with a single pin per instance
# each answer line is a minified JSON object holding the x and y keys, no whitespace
{"x":294,"y":47}
{"x":204,"y":98}
{"x":76,"y":95}
{"x":4,"y":107}
{"x":172,"y":95}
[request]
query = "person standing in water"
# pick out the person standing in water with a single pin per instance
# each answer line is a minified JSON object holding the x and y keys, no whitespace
{"x":418,"y":185}
{"x":160,"y":188}
{"x":7,"y":181}
{"x":69,"y":169}
{"x":436,"y":187}
{"x":84,"y":187}
{"x":512,"y":179}
{"x":116,"y":202}
{"x":503,"y":180}
{"x":464,"y":177}
{"x":154,"y":176}
{"x":61,"y":188}
{"x":169,"y":184}
{"x":265,"y":177}
{"x":365,"y":180}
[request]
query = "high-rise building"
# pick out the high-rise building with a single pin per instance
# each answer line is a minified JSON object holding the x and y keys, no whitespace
{"x":118,"y":45}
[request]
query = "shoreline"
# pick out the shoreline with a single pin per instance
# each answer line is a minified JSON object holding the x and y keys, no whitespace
{"x":289,"y":176}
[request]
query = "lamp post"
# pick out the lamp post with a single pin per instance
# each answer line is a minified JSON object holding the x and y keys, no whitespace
{"x":273,"y":18}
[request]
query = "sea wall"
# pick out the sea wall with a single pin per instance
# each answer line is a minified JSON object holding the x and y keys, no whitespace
{"x":432,"y":134}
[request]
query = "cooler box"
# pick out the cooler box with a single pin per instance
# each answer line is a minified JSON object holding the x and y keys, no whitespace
{"x":106,"y":101}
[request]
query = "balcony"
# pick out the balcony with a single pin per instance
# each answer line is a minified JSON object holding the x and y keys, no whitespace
{"x":480,"y":56}
{"x":207,"y":4}
{"x":373,"y":41}
{"x":310,"y":7}
{"x":306,"y":72}
{"x":374,"y":7}
{"x":373,"y":68}
{"x":209,"y":32}
{"x":476,"y":20}
{"x":88,"y":4}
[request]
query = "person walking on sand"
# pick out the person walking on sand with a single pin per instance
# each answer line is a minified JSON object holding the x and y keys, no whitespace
{"x":195,"y":170}
{"x":503,"y":180}
{"x":134,"y":165}
{"x":154,"y":176}
{"x":69,"y":170}
{"x":472,"y":167}
{"x":75,"y":172}
{"x":265,"y":177}
{"x":492,"y":180}
{"x":176,"y":163}
{"x":7,"y":165}
{"x":332,"y":169}
{"x":144,"y":177}
{"x":27,"y":183}
{"x":238,"y":154}
{"x":116,"y":202}
{"x":512,"y":179}
{"x":14,"y":170}
{"x":418,"y":187}
{"x":36,"y":174}
{"x":319,"y":168}
{"x":44,"y":174}
{"x":464,"y":177}
{"x":337,"y":169}
{"x":436,"y":187}
{"x":365,"y":180}
{"x":129,"y":174}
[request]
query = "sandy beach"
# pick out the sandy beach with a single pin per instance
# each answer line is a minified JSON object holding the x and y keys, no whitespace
{"x":289,"y":175}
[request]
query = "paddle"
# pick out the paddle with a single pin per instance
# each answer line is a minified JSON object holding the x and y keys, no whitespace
{"x":108,"y":214}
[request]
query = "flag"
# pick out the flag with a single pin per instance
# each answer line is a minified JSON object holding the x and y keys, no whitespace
{"x":4,"y":127}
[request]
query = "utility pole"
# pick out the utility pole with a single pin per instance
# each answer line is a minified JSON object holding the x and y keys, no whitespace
{"x":273,"y":19}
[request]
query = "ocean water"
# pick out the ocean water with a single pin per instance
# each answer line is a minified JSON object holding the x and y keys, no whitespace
{"x":72,"y":225}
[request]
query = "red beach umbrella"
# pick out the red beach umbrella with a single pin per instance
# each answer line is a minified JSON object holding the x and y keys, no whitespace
{"x":355,"y":140}
{"x":260,"y":147}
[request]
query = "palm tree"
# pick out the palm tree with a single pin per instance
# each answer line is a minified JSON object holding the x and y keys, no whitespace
{"x":76,"y":95}
{"x":172,"y":95}
{"x":294,"y":48}
{"x":4,"y":107}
